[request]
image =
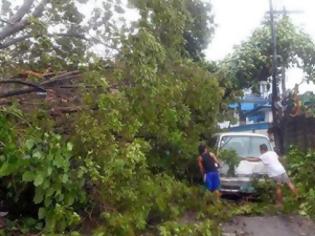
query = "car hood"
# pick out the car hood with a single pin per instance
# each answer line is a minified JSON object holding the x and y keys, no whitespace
{"x":246,"y":168}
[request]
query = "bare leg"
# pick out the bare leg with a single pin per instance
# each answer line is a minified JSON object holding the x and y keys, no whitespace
{"x":292,"y":188}
{"x":279,"y":198}
{"x":217,"y":194}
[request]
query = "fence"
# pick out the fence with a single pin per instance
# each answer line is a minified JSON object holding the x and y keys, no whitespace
{"x":299,"y":131}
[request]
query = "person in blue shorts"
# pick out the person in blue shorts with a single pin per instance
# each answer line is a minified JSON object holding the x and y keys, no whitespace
{"x":208,"y":165}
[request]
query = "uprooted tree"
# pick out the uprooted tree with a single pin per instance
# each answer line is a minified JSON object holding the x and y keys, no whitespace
{"x":143,"y":106}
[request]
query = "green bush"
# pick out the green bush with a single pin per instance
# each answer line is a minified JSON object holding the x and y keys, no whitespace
{"x":301,"y":167}
{"x":43,"y":162}
{"x":231,"y":159}
{"x":161,"y":202}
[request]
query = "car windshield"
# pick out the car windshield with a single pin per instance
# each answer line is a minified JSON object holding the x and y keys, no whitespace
{"x":245,"y":146}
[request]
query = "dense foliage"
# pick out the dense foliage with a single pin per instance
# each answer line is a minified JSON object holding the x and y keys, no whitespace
{"x":111,"y":183}
{"x":127,"y":159}
{"x":39,"y":164}
{"x":301,"y":167}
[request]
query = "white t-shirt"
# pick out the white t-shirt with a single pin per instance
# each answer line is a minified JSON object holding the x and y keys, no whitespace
{"x":271,"y":160}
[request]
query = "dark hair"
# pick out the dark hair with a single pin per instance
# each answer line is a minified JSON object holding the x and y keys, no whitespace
{"x":202,"y":147}
{"x":263,"y":147}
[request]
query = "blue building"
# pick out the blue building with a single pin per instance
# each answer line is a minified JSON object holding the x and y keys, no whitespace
{"x":253,"y":112}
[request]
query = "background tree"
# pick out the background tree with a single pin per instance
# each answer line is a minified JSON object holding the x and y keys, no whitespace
{"x":251,"y":60}
{"x":199,"y":31}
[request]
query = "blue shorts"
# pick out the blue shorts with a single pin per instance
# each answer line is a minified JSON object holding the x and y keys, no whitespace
{"x":212,"y":181}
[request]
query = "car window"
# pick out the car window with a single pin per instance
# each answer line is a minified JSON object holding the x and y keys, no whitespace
{"x":255,"y":142}
{"x":245,"y":146}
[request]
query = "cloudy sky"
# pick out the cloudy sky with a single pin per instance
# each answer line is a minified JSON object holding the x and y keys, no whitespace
{"x":237,"y":19}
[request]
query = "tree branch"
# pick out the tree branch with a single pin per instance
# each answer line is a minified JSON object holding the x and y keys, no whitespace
{"x":22,"y":38}
{"x":18,"y":92}
{"x":18,"y":26}
{"x":14,"y":41}
{"x":25,"y":8}
{"x":40,"y":8}
{"x":5,"y":21}
{"x":42,"y":86}
{"x":15,"y":81}
{"x":12,"y":29}
{"x":70,"y":35}
{"x":62,"y":77}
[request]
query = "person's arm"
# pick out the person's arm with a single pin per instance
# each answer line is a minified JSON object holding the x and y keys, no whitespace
{"x":251,"y":159}
{"x":214,"y":157}
{"x":202,"y":171}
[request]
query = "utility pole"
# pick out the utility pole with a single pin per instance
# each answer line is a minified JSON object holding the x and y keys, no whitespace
{"x":274,"y":97}
{"x":274,"y":54}
{"x":284,"y":13}
{"x":277,"y":131}
{"x":283,"y":86}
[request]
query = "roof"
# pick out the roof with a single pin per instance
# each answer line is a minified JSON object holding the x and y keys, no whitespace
{"x":241,"y":134}
{"x":245,"y":106}
{"x":250,"y":127}
{"x":258,"y":108}
{"x":254,"y":99}
{"x":250,"y":102}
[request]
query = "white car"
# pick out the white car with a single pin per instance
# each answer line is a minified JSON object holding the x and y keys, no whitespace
{"x":245,"y":145}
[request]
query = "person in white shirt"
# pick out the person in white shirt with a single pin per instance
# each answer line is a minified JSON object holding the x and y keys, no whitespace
{"x":275,"y":171}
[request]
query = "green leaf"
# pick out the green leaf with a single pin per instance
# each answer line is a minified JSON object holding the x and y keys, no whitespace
{"x":39,"y":179}
{"x":37,"y":154}
{"x":29,"y":144}
{"x":4,"y":169}
{"x":65,"y":178}
{"x":59,"y":162}
{"x":49,"y":170}
{"x":38,"y":198}
{"x":41,"y":213}
{"x":50,"y":192}
{"x":69,"y":146}
{"x":28,"y":176}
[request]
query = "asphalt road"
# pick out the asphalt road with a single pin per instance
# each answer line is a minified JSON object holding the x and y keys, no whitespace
{"x":269,"y":226}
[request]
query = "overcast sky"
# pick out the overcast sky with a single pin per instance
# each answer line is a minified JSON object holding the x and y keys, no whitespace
{"x":237,"y":19}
